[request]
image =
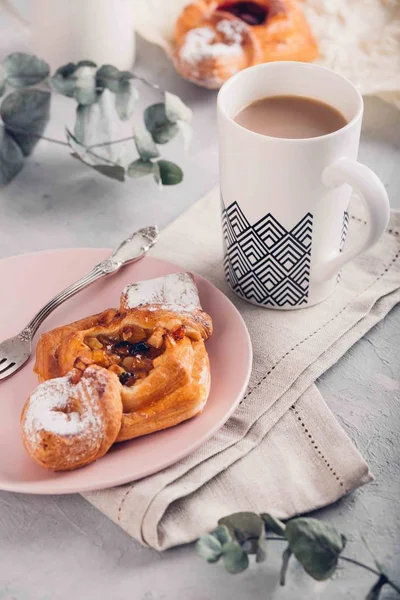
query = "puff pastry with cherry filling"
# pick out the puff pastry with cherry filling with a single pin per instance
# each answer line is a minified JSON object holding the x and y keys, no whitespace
{"x":216,"y":38}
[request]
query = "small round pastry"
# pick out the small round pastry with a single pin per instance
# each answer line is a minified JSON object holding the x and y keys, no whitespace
{"x":73,"y":420}
{"x":216,"y":38}
{"x":215,"y":50}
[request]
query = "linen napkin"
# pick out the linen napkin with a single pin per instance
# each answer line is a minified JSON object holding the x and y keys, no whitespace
{"x":282,"y":451}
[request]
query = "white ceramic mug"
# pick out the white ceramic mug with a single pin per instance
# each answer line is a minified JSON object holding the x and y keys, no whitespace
{"x":65,"y":31}
{"x":285,"y":201}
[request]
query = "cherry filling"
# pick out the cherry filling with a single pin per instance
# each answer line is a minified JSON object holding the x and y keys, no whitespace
{"x":249,"y":12}
{"x":131,"y":355}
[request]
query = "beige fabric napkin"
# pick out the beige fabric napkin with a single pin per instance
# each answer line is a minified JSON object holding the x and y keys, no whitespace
{"x":282,"y":450}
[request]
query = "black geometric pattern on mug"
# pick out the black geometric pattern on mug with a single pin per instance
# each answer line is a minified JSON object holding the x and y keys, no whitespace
{"x":266,"y":262}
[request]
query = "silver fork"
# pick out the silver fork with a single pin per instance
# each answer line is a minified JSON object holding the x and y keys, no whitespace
{"x":15,"y":351}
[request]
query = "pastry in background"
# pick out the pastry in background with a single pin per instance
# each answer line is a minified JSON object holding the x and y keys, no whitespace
{"x":215,"y":39}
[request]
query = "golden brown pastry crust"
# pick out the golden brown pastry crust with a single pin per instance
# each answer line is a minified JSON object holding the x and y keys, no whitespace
{"x":71,"y":421}
{"x":177,"y":386}
{"x":206,"y":67}
{"x":284,"y":35}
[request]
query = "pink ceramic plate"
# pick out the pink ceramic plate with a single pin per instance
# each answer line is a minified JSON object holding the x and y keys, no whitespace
{"x":27,"y":282}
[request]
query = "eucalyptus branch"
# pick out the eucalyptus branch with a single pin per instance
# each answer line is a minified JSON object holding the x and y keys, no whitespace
{"x":317,"y":546}
{"x":102,"y":95}
{"x":27,"y":77}
{"x":61,"y":143}
{"x":33,"y":134}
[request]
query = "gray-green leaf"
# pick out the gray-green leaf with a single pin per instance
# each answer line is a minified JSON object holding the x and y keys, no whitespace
{"x":25,"y":114}
{"x":243,"y":525}
{"x":234,"y":557}
{"x":140,"y":168}
{"x":108,"y":77}
{"x":86,"y":63}
{"x":316,"y":545}
{"x":222,"y":534}
{"x":209,"y":548}
{"x":273,"y":524}
{"x":112,"y":171}
{"x":90,"y":158}
{"x":11,"y":157}
{"x":85,"y":84}
{"x":126,"y":98}
{"x":186,"y":132}
{"x":170,"y":173}
{"x":3,"y":80}
{"x":63,"y":80}
{"x":94,"y":126}
{"x":375,"y":591}
{"x":25,"y":69}
{"x":156,"y":121}
{"x":175,"y":109}
{"x":144,"y":143}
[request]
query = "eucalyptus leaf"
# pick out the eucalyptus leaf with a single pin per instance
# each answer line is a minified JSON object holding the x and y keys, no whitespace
{"x":126,"y":98}
{"x":250,"y":545}
{"x":93,"y":127}
{"x":170,"y":173}
{"x":140,"y":168}
{"x":11,"y":157}
{"x":316,"y":545}
{"x":222,"y":534}
{"x":85,"y":84}
{"x":273,"y":524}
{"x":243,"y":525}
{"x":187,"y":133}
{"x":90,"y":158}
{"x":145,"y":144}
{"x":3,"y":80}
{"x":113,"y":171}
{"x":108,"y":76}
{"x":64,"y":81}
{"x":86,"y":63}
{"x":209,"y":548}
{"x":175,"y":109}
{"x":156,"y":121}
{"x":234,"y":557}
{"x":24,"y":69}
{"x":285,"y":563}
{"x":25,"y":114}
{"x":375,"y":592}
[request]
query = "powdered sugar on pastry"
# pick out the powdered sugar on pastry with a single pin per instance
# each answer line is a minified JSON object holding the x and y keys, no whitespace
{"x":68,"y":423}
{"x":213,"y":52}
{"x":174,"y":292}
{"x":51,"y":409}
{"x":201,"y":43}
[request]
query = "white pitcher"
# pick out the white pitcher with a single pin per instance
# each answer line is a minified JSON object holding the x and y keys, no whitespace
{"x":65,"y":31}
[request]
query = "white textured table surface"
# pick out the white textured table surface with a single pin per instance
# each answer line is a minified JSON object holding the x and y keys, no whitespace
{"x":53,"y":548}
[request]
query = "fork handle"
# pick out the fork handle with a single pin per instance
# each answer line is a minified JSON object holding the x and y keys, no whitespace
{"x":101,"y":270}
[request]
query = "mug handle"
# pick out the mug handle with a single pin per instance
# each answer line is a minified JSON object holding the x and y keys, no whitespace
{"x":376,"y":201}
